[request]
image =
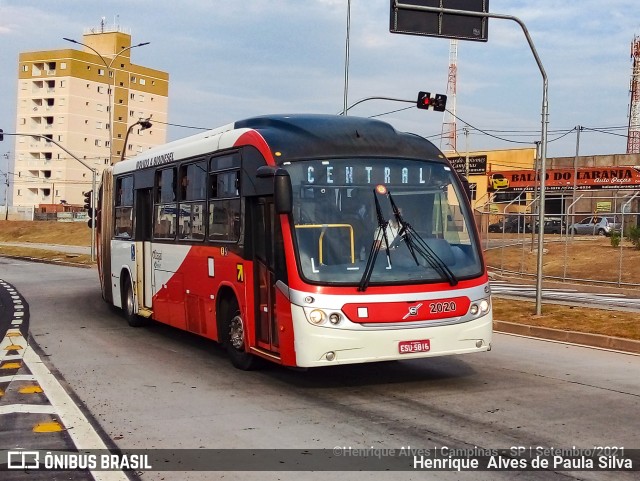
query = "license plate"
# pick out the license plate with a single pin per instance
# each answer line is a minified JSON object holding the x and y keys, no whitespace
{"x":411,"y":347}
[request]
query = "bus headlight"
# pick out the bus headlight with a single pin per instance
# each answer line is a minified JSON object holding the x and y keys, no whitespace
{"x":334,"y":318}
{"x":481,"y":307}
{"x":484,"y":306}
{"x":317,"y":316}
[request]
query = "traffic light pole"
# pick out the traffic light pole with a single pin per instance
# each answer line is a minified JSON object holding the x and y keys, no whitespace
{"x":545,"y":121}
{"x":94,"y":173}
{"x":346,"y":109}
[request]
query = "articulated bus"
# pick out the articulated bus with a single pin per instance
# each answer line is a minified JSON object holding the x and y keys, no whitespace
{"x":306,"y":240}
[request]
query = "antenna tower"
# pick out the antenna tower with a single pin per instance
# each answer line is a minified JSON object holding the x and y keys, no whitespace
{"x":633,"y":138}
{"x":448,"y":137}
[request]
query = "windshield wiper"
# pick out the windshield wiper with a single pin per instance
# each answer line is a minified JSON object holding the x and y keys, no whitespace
{"x":381,"y":235}
{"x":417,"y":244}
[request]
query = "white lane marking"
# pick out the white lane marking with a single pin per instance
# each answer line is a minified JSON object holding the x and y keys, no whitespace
{"x":78,"y":427}
{"x":27,"y":408}
{"x":12,"y":357}
{"x":18,"y":377}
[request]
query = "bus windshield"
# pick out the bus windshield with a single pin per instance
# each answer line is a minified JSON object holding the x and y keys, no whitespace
{"x":344,"y":219}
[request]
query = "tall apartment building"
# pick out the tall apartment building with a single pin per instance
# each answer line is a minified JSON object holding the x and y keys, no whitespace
{"x":85,"y":101}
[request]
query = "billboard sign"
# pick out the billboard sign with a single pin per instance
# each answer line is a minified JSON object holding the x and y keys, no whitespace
{"x":477,"y":164}
{"x":587,"y":178}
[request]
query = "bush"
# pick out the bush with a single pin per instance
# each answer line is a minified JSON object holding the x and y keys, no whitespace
{"x":615,"y":239}
{"x":634,"y":236}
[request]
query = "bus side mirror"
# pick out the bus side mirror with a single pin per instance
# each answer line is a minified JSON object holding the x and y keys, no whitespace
{"x":282,"y":190}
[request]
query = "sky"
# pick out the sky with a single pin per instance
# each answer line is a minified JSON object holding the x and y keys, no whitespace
{"x":229,"y":60}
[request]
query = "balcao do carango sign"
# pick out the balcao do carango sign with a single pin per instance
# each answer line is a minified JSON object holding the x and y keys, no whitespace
{"x":617,"y":177}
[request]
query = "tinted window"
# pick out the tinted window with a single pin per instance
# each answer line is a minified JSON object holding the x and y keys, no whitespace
{"x":193,"y":193}
{"x":165,"y":209}
{"x":123,"y":224}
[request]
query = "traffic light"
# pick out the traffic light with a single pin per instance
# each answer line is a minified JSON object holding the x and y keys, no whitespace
{"x":424,"y":100}
{"x":88,"y":206}
{"x":1,"y":135}
{"x":439,"y":102}
{"x":87,"y":200}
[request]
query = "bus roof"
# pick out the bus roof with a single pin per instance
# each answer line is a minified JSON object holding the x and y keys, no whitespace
{"x":330,"y":136}
{"x":297,"y":137}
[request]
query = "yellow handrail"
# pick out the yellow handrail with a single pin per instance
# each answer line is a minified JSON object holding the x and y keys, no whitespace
{"x":324,"y":227}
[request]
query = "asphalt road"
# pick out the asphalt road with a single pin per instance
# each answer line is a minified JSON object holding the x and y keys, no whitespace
{"x":163,"y":389}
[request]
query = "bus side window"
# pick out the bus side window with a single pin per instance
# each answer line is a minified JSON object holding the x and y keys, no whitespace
{"x":165,"y":209}
{"x":224,"y":206}
{"x":123,"y":225}
{"x":193,"y":182}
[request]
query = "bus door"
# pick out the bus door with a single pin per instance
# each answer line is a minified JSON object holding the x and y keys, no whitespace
{"x":264,"y":235}
{"x":144,"y":218}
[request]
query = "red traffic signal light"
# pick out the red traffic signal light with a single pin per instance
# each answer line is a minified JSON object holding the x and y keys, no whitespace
{"x":424,"y":100}
{"x":439,"y":102}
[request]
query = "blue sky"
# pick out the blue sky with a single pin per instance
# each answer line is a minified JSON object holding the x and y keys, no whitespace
{"x":229,"y":60}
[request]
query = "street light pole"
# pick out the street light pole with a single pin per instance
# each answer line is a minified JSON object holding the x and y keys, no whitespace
{"x":346,"y":60}
{"x":109,"y":86}
{"x":144,"y":123}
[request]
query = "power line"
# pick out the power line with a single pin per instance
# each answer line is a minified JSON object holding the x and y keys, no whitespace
{"x":182,"y":126}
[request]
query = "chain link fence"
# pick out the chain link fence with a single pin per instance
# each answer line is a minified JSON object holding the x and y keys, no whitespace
{"x":587,"y":237}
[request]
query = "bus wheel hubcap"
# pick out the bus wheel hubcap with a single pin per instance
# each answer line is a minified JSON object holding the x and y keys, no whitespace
{"x":236,"y":333}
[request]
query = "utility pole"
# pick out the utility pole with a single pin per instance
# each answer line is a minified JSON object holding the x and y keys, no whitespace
{"x":575,"y":175}
{"x":6,"y":188}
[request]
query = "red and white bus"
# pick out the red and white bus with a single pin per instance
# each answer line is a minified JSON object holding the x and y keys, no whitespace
{"x":275,"y":237}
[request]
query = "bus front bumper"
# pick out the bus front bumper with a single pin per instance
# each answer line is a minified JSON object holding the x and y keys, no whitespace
{"x":326,"y":346}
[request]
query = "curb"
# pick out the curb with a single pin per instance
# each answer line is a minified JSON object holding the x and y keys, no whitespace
{"x":592,"y":340}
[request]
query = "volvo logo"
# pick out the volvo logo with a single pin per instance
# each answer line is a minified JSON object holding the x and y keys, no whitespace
{"x":413,"y":311}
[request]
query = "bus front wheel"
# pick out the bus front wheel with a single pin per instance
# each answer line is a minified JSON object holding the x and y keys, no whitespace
{"x":235,"y":341}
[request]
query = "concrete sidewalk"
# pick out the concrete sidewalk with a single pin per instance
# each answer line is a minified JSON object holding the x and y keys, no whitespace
{"x":630,"y":346}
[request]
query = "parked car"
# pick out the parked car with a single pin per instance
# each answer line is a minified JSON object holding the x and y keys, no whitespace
{"x":510,"y":224}
{"x":552,"y":225}
{"x":596,"y":225}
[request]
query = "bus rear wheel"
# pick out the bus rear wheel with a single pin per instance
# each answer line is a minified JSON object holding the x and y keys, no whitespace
{"x":129,"y":308}
{"x":235,"y":341}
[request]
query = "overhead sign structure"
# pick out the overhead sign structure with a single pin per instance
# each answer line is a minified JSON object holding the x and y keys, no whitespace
{"x":435,"y":24}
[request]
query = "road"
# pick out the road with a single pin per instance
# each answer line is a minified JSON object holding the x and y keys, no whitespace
{"x":163,"y":389}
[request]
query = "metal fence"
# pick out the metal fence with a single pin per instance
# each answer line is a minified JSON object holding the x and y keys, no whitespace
{"x":32,"y":214}
{"x":509,"y":229}
{"x":16,"y":213}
